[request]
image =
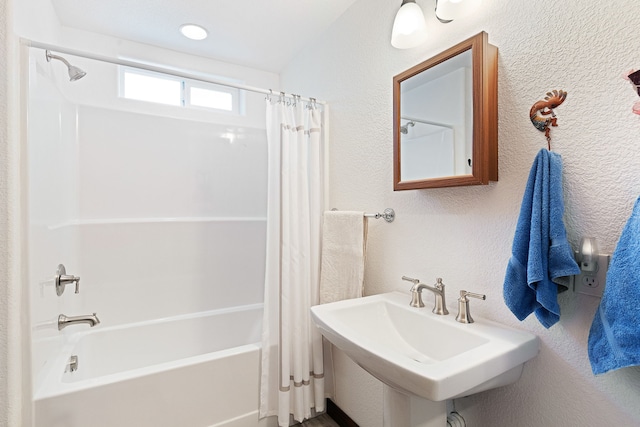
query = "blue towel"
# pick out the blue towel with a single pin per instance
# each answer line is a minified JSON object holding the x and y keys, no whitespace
{"x":542,"y":259}
{"x":614,"y":338}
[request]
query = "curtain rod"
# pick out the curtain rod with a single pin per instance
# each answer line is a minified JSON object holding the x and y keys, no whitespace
{"x":427,"y":122}
{"x":156,"y":69}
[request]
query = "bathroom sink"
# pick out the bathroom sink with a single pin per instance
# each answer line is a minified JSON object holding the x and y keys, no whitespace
{"x":420,"y":353}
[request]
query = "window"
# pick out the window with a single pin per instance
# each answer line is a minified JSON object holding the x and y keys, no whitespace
{"x":146,"y":87}
{"x":161,"y":88}
{"x":209,"y":95}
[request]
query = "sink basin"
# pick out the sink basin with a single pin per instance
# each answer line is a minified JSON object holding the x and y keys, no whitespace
{"x":423,"y":354}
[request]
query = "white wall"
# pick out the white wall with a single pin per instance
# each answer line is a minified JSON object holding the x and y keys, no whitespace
{"x":5,"y":391}
{"x":464,"y":234}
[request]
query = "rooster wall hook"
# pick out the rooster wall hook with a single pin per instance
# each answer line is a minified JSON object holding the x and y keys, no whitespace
{"x":542,"y":115}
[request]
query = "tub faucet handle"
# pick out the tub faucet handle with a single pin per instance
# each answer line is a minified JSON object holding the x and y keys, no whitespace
{"x":63,"y":279}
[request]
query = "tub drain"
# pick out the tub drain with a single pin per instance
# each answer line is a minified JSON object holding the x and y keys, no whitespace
{"x":72,"y":366}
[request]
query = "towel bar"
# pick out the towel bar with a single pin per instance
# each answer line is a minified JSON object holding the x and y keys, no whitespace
{"x":388,"y":215}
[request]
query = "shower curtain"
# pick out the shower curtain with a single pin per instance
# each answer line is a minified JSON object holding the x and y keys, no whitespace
{"x":292,"y":378}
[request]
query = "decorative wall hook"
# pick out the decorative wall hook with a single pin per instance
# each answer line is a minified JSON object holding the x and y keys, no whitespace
{"x":542,"y":115}
{"x":634,"y":78}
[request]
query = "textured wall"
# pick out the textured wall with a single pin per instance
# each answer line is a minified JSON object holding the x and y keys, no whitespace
{"x":14,"y":387}
{"x":4,"y":273}
{"x":464,"y":234}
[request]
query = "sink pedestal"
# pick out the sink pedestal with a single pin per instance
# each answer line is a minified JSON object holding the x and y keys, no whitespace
{"x":402,"y":410}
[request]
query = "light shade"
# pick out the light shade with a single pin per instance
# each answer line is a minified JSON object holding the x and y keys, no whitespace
{"x":409,"y":27}
{"x":193,"y":32}
{"x":454,"y":9}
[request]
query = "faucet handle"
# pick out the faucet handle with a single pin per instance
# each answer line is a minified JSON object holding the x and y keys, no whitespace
{"x":409,"y":279}
{"x":416,"y":294}
{"x":464,"y":316}
{"x":63,"y":279}
{"x":465,"y":294}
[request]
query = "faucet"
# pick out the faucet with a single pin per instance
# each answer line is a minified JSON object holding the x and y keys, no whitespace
{"x":440,"y":306}
{"x":64,"y":321}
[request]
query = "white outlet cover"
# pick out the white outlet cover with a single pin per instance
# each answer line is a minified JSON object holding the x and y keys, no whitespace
{"x":592,"y":282}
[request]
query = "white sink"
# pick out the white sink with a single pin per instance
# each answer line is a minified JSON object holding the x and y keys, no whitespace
{"x":415,"y":351}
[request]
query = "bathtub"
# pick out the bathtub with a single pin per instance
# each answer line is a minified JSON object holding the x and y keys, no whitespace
{"x":186,"y":371}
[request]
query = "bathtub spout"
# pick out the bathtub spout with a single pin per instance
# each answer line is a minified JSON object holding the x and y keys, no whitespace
{"x":64,"y":321}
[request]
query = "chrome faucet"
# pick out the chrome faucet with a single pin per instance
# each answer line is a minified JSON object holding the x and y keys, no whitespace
{"x":64,"y":321}
{"x":440,"y":306}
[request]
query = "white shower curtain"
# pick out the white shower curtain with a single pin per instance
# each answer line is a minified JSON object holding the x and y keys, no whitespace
{"x":292,"y":378}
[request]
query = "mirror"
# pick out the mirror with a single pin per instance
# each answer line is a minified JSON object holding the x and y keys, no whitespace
{"x":445,"y":118}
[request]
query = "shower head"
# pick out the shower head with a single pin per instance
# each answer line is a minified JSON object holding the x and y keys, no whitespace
{"x":75,"y":73}
{"x":405,"y":129}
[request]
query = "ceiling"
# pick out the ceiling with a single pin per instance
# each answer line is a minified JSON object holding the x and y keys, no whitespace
{"x":264,"y":34}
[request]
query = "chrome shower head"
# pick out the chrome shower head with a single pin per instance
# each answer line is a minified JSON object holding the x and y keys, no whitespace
{"x":405,"y":129}
{"x":75,"y":73}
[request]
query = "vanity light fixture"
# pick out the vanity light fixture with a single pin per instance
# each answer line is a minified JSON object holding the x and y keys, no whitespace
{"x":193,"y":32}
{"x":410,"y":28}
{"x":448,"y":10}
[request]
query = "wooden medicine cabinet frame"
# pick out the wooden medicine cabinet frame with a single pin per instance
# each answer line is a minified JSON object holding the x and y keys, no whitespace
{"x":484,"y":162}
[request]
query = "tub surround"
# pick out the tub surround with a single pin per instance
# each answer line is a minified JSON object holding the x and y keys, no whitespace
{"x":144,"y":214}
{"x":162,"y":216}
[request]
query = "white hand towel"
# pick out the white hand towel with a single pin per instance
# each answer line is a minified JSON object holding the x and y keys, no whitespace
{"x":344,"y":238}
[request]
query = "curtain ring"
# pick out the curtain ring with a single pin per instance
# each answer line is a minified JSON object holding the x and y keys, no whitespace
{"x":269,"y":95}
{"x":281,"y":101}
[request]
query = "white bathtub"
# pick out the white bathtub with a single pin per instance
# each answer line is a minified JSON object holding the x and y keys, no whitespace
{"x":189,"y":371}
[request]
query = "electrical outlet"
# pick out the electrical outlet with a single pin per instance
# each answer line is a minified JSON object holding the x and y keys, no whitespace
{"x":592,"y":282}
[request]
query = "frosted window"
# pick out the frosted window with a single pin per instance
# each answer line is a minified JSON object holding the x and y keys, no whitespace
{"x":211,"y":99}
{"x":143,"y":85}
{"x":152,"y":89}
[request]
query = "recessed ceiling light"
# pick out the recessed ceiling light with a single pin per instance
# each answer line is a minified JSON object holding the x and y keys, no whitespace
{"x":193,"y":31}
